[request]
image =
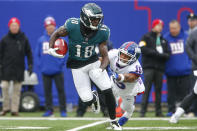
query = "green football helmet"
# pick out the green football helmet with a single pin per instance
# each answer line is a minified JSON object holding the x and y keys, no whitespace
{"x":90,"y":12}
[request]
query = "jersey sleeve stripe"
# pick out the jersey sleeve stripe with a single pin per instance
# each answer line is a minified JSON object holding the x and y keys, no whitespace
{"x":138,"y":74}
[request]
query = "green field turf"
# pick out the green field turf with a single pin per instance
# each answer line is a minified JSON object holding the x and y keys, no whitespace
{"x":34,"y":122}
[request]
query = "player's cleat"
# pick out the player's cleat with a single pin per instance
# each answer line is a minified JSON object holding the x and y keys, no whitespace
{"x":169,"y":114}
{"x":63,"y":114}
{"x":96,"y":105}
{"x":115,"y":125}
{"x":174,"y":119}
{"x":122,"y":121}
{"x":48,"y":113}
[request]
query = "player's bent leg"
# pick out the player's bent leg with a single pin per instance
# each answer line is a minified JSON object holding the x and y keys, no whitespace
{"x":110,"y":102}
{"x":102,"y":82}
{"x":83,"y":85}
{"x":129,"y":107}
{"x":187,"y":101}
{"x":111,"y":105}
{"x":123,"y":120}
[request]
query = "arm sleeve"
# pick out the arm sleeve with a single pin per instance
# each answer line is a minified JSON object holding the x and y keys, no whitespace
{"x":28,"y":53}
{"x":37,"y":53}
{"x":105,"y":33}
{"x":136,"y":69}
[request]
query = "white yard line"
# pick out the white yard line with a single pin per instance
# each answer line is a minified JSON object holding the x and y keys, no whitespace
{"x":90,"y":118}
{"x":87,"y":126}
{"x":157,"y":128}
{"x":24,"y":127}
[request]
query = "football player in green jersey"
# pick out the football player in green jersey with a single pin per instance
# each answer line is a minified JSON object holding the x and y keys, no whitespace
{"x":84,"y":34}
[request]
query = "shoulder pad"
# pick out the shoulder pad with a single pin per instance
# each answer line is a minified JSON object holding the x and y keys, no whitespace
{"x":71,"y":23}
{"x":106,"y":31}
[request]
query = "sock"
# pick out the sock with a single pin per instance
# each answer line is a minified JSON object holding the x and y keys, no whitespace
{"x":110,"y":103}
{"x":179,"y":112}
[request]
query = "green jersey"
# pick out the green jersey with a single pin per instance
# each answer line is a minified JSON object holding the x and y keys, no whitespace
{"x":82,"y":49}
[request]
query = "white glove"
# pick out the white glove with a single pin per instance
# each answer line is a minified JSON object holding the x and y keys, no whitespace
{"x":97,"y":72}
{"x":52,"y":51}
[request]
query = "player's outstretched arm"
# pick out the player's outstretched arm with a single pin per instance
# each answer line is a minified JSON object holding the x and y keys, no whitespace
{"x":104,"y":54}
{"x":128,"y":77}
{"x":60,"y":32}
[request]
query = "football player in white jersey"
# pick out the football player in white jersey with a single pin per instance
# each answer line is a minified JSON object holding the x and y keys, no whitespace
{"x":125,"y":71}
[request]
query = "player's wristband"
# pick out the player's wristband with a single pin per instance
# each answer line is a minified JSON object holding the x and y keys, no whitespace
{"x":121,"y":77}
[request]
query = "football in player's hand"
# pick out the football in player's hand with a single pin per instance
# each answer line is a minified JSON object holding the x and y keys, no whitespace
{"x":62,"y":46}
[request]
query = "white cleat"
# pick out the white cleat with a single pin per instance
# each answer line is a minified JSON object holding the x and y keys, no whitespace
{"x":115,"y":126}
{"x":174,"y":119}
{"x":96,"y":105}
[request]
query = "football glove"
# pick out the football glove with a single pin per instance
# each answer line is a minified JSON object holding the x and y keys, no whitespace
{"x":97,"y":72}
{"x":113,"y":75}
{"x":52,"y":51}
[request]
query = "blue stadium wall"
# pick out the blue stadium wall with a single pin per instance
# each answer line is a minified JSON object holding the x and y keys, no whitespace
{"x":127,"y":19}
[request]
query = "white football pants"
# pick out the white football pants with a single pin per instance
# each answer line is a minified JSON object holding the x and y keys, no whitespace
{"x":82,"y":76}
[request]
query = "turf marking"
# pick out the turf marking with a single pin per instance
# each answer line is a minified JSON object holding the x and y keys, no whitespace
{"x":90,"y":118}
{"x":88,"y":125}
{"x":24,"y":127}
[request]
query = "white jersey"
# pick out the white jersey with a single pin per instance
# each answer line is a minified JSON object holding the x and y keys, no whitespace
{"x":126,"y":88}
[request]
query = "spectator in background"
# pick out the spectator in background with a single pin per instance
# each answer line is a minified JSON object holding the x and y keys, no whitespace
{"x":192,"y":22}
{"x":178,"y":67}
{"x":51,"y":69}
{"x":154,"y":55}
{"x":13,"y":49}
{"x":191,"y":48}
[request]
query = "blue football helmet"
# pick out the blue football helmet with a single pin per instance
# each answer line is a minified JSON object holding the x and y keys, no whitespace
{"x":132,"y":50}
